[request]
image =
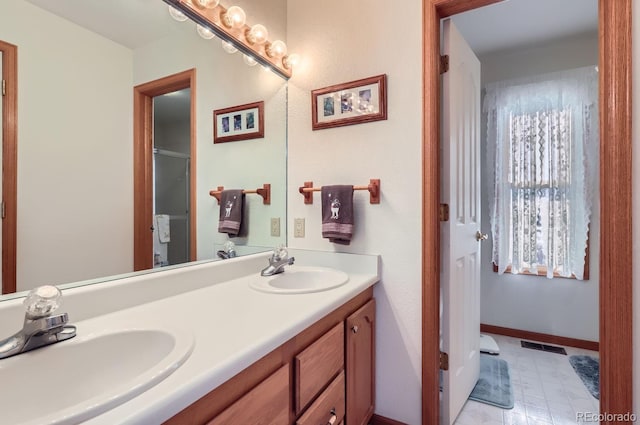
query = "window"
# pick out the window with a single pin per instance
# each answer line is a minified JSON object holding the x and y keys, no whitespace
{"x":542,"y":146}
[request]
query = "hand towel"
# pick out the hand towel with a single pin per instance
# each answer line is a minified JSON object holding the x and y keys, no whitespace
{"x":337,"y":213}
{"x":163,"y":227}
{"x":231,"y":203}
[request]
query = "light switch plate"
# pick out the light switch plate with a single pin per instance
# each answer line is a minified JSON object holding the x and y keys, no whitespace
{"x":298,"y":227}
{"x":275,"y":226}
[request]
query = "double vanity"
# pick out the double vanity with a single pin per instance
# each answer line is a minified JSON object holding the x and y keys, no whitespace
{"x":211,"y":343}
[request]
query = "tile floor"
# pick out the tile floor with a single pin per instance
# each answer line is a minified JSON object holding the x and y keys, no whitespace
{"x":547,"y":391}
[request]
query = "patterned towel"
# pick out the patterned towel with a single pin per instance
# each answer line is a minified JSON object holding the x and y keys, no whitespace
{"x":337,"y":213}
{"x":231,"y":202}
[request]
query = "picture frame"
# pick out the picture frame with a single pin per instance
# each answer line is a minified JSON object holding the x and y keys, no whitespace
{"x":350,"y":103}
{"x":242,"y":122}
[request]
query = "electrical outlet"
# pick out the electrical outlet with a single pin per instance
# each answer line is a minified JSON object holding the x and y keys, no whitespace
{"x":298,"y":227}
{"x":275,"y":226}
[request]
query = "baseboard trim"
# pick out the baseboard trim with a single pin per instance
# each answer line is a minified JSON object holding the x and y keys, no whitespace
{"x":381,"y":420}
{"x":540,"y":337}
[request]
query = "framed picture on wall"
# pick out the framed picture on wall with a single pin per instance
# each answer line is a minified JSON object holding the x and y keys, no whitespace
{"x":350,"y":103}
{"x":241,"y":122}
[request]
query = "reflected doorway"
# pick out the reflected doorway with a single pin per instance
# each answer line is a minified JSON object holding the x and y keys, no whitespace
{"x":173,"y":165}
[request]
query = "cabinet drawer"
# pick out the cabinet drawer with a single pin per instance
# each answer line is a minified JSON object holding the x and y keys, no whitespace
{"x":329,"y":407}
{"x":265,"y":404}
{"x":317,"y":365}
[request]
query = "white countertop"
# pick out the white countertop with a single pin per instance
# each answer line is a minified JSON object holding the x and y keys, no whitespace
{"x":233,"y":325}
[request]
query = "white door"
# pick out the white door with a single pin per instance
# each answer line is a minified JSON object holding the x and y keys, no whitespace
{"x":460,"y":279}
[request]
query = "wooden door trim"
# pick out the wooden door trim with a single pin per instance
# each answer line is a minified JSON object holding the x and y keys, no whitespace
{"x":615,"y":205}
{"x":9,"y":165}
{"x":143,"y":95}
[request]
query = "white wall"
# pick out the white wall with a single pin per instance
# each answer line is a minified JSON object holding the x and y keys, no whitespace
{"x":636,"y":207}
{"x":562,"y":307}
{"x":340,"y":42}
{"x":75,"y":190}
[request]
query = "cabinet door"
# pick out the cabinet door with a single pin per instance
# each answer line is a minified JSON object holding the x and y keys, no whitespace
{"x":360,"y":336}
{"x":266,"y":404}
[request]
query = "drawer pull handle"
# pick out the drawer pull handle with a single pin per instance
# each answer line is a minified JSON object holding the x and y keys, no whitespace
{"x":354,"y":328}
{"x":333,"y":418}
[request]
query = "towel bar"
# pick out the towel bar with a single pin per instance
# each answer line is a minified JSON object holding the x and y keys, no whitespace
{"x":373,"y":187}
{"x":264,"y":191}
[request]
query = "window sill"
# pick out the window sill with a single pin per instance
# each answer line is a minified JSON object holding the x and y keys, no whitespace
{"x":542,"y":272}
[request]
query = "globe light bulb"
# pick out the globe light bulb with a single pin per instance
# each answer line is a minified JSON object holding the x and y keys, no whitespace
{"x":290,"y":61}
{"x":234,"y":17}
{"x":258,"y":34}
{"x":249,"y":60}
{"x":176,"y":14}
{"x":228,"y":47}
{"x":206,"y":4}
{"x":204,"y":32}
{"x":277,"y":49}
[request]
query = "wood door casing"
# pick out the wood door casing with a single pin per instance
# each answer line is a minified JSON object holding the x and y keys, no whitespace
{"x":143,"y":95}
{"x":616,"y":352}
{"x":9,"y":166}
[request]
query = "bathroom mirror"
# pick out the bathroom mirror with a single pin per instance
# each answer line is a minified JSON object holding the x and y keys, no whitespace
{"x":78,"y":63}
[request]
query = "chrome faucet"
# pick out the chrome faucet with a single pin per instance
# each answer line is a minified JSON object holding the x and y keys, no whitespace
{"x":278,"y":260}
{"x":40,"y":327}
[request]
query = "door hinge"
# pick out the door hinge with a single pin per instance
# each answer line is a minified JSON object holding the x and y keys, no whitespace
{"x":444,"y":361}
{"x":444,"y":63}
{"x":444,"y":212}
{"x":4,"y":87}
{"x":3,"y":209}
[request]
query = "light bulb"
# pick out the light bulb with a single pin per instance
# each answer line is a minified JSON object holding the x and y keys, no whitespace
{"x":249,"y":60}
{"x":234,"y":17}
{"x":258,"y":34}
{"x":204,"y":32}
{"x":277,"y":49}
{"x":206,"y":4}
{"x":176,"y":14}
{"x":291,"y":60}
{"x":228,"y":47}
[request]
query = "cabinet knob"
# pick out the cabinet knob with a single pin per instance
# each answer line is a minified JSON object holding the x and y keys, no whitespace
{"x":333,"y":418}
{"x":354,"y":329}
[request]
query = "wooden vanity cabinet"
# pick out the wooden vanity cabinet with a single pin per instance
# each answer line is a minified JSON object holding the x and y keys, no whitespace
{"x":360,"y":354}
{"x":326,"y":370}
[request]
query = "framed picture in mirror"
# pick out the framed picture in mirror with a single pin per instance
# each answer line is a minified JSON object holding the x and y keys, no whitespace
{"x":349,"y":103}
{"x":241,"y":122}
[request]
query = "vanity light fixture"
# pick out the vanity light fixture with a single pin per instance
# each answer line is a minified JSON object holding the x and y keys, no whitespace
{"x":258,"y":34}
{"x":206,"y":4}
{"x":204,"y":32}
{"x":234,"y":17}
{"x":229,"y":24}
{"x":249,"y":60}
{"x":277,"y":49}
{"x":177,"y":15}
{"x":291,"y":61}
{"x":228,"y":47}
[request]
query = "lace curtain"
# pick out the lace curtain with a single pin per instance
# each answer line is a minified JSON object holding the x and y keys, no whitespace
{"x":542,"y":139}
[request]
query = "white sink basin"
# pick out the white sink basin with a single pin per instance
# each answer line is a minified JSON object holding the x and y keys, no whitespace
{"x":300,"y":280}
{"x":74,"y":380}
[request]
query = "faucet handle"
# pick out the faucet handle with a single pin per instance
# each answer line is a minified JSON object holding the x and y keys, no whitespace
{"x":42,"y":301}
{"x":279,"y":253}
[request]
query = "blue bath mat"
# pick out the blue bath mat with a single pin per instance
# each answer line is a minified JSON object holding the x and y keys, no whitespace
{"x":588,"y":369}
{"x":494,"y":384}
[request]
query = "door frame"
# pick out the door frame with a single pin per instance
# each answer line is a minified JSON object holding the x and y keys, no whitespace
{"x":9,"y":165}
{"x":143,"y":95}
{"x":615,"y":104}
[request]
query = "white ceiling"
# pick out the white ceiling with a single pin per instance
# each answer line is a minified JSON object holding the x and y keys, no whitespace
{"x":520,"y":23}
{"x":132,"y":23}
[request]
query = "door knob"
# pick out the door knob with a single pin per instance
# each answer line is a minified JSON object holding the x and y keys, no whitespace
{"x":481,"y":236}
